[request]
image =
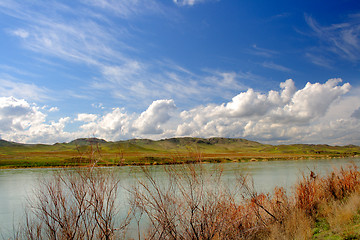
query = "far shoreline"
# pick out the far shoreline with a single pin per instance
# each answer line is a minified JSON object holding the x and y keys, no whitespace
{"x":141,"y":152}
{"x":205,"y":161}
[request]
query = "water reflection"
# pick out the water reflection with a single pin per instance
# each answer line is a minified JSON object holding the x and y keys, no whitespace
{"x":16,"y":185}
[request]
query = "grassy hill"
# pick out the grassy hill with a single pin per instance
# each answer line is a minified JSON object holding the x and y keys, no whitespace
{"x":83,"y":151}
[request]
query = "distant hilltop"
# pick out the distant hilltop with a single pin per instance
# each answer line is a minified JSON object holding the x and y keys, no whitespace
{"x":178,"y":141}
{"x":82,"y":151}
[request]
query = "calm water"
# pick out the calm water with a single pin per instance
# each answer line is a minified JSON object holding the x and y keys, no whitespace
{"x":16,"y":184}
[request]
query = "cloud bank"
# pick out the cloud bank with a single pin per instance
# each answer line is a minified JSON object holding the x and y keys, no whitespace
{"x":317,"y":113}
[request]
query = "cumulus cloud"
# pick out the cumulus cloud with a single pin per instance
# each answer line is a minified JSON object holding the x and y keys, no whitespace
{"x":288,"y":115}
{"x":318,"y":113}
{"x":46,"y":132}
{"x":118,"y":124}
{"x":314,"y":99}
{"x":246,"y":104}
{"x":86,"y":117}
{"x":17,"y":115}
{"x":115,"y":125}
{"x":158,"y":113}
{"x":24,"y":122}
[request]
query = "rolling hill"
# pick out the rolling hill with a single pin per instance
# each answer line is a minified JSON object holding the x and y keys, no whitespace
{"x":166,"y":151}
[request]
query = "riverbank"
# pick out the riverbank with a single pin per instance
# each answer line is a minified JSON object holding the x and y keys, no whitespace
{"x":83,"y":152}
{"x":150,"y":160}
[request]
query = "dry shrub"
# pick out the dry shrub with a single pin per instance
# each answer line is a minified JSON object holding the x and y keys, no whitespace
{"x":341,"y":213}
{"x":195,"y":204}
{"x":192,"y":204}
{"x":296,"y":225}
{"x":270,"y":207}
{"x":342,"y":182}
{"x":334,"y":196}
{"x":266,"y":210}
{"x":309,"y":194}
{"x":189,"y":203}
{"x":314,"y":191}
{"x":77,"y":204}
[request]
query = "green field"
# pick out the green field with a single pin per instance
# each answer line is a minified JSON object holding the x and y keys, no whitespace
{"x":82,"y":152}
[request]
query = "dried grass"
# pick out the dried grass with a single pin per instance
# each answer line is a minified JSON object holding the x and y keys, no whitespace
{"x":191,"y":203}
{"x":342,"y":212}
{"x":189,"y":209}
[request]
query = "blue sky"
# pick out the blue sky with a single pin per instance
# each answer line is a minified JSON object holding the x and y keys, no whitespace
{"x":275,"y":72}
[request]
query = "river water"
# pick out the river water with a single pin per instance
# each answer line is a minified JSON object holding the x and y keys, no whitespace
{"x":16,"y":185}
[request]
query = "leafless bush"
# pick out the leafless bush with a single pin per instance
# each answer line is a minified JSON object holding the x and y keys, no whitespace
{"x":190,"y":202}
{"x":314,"y":190}
{"x":196,"y":204}
{"x":79,"y":204}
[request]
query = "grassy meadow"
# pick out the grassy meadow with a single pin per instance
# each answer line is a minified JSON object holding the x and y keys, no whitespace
{"x":82,"y":152}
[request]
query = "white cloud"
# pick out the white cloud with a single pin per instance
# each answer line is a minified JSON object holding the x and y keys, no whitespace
{"x":54,"y":109}
{"x":286,"y":116}
{"x":224,"y":80}
{"x":23,"y":90}
{"x":126,"y":8}
{"x":122,"y":74}
{"x":314,"y":99}
{"x":162,"y":80}
{"x":319,"y":60}
{"x":275,"y":66}
{"x":317,"y":113}
{"x":98,"y":105}
{"x":94,"y":41}
{"x":158,"y":113}
{"x":86,"y":117}
{"x":21,"y":121}
{"x":189,"y":2}
{"x":18,"y":115}
{"x":46,"y":133}
{"x":288,"y":90}
{"x":81,"y":39}
{"x":342,"y":39}
{"x":255,"y":50}
{"x":21,"y":33}
{"x":115,"y":125}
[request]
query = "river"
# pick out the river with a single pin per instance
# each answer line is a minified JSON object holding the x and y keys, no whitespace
{"x":16,"y":185}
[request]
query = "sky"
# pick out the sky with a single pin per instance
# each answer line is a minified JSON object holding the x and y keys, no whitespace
{"x":277,"y":72}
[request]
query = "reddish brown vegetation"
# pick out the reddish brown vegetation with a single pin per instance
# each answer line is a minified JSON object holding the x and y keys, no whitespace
{"x":197,"y":205}
{"x":190,"y":203}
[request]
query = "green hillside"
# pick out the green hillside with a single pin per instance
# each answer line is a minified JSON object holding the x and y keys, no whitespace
{"x":85,"y":151}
